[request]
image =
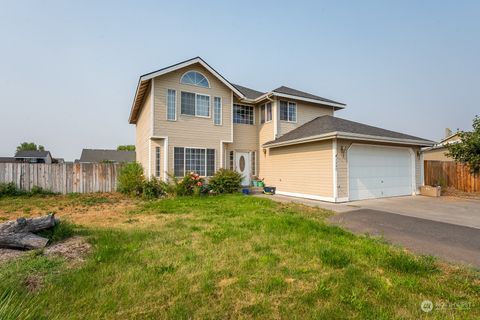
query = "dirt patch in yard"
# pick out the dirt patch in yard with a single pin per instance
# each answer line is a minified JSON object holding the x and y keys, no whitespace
{"x":10,"y":254}
{"x":73,"y":250}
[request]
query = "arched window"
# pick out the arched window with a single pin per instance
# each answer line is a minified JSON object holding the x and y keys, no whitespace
{"x":195,"y":78}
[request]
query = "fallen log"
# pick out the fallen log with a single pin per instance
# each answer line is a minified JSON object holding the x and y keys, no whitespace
{"x":19,"y":234}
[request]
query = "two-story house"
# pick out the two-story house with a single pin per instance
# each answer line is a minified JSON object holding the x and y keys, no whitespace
{"x":188,"y":117}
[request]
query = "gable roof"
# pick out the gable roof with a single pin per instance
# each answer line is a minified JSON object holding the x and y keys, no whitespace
{"x":249,"y":93}
{"x":101,"y":155}
{"x":32,"y":154}
{"x":144,"y":83}
{"x":298,"y":93}
{"x":328,"y":127}
{"x":244,"y":93}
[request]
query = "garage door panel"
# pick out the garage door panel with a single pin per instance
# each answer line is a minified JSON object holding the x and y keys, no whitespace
{"x":376,"y":172}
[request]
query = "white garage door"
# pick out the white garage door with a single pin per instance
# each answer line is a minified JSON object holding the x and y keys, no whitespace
{"x":376,"y":172}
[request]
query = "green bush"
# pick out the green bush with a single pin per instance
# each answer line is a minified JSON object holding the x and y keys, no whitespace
{"x":225,"y":181}
{"x":131,"y":179}
{"x":153,"y":188}
{"x":10,"y":189}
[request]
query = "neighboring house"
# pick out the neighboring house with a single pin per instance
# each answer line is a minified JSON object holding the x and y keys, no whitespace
{"x":7,"y":159}
{"x":439,"y":151}
{"x":188,"y":117}
{"x":34,"y":157}
{"x":103,"y":155}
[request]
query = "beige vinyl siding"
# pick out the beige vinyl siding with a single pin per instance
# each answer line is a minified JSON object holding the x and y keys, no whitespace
{"x":192,"y":131}
{"x":342,"y":164}
{"x":245,"y":137}
{"x":304,"y":168}
{"x":188,"y":129}
{"x":142,"y":133}
{"x":437,"y":155}
{"x":266,"y":132}
{"x":305,"y":112}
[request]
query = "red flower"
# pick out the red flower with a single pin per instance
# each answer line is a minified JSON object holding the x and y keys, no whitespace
{"x":199,"y":183}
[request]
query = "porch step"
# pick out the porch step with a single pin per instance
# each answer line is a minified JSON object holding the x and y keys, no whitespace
{"x":256,"y":190}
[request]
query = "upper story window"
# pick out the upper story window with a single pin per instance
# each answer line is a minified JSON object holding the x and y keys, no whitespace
{"x":217,"y":111}
{"x":194,"y":104}
{"x":266,"y":112}
{"x":243,"y":114}
{"x":171,"y":105}
{"x":288,"y":111}
{"x":195,"y":78}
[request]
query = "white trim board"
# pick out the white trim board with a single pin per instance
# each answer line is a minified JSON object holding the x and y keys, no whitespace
{"x":306,"y":196}
{"x":187,"y":63}
{"x":347,"y":136}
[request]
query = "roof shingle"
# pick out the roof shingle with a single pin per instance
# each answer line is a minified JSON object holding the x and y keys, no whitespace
{"x":329,"y":124}
{"x":31,"y":154}
{"x":298,"y":93}
{"x":247,"y":92}
{"x":101,"y":155}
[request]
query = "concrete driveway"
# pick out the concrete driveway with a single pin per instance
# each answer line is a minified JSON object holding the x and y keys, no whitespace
{"x":463,"y":212}
{"x":446,"y":227}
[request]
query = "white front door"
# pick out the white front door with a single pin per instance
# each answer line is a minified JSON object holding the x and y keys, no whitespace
{"x":377,"y":172}
{"x":242,"y":164}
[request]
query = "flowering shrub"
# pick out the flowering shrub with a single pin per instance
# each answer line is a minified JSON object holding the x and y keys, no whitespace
{"x":190,"y":184}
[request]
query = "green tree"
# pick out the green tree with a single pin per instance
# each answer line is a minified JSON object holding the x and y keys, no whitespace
{"x":127,"y":147}
{"x":30,"y":146}
{"x":468,"y":149}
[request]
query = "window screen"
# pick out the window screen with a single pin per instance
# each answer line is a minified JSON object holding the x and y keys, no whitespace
{"x":171,"y":105}
{"x":179,"y":162}
{"x":217,"y":110}
{"x":203,"y":105}
{"x":157,"y":162}
{"x":210,"y":162}
{"x":195,"y":161}
{"x":243,"y":114}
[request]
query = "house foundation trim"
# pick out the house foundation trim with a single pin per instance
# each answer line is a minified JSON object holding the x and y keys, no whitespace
{"x":306,"y":196}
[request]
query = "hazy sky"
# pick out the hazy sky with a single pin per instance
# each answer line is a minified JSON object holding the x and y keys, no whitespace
{"x":69,"y":69}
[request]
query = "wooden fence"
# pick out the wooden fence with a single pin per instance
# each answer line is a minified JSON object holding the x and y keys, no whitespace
{"x":451,"y":174}
{"x":62,"y":178}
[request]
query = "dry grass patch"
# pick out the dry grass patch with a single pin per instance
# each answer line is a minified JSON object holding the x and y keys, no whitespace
{"x":235,"y":257}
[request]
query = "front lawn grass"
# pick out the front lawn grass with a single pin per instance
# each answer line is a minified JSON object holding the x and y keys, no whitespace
{"x":239,"y":257}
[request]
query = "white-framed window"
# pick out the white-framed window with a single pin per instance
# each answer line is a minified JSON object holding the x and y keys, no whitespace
{"x":198,"y":160}
{"x":202,"y":108}
{"x":288,"y":111}
{"x":266,"y":112}
{"x":269,"y":112}
{"x":231,"y":160}
{"x":195,"y":104}
{"x":243,"y":114}
{"x":217,"y":111}
{"x":195,"y":78}
{"x":157,"y":162}
{"x":171,"y":105}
